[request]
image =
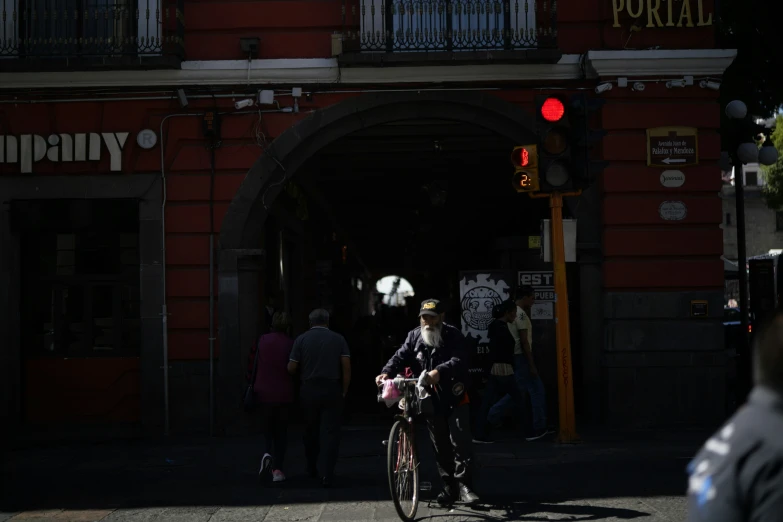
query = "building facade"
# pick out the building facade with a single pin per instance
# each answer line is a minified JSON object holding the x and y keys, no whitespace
{"x":160,"y":185}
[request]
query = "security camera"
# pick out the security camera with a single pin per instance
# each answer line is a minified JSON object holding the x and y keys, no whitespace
{"x":675,"y":83}
{"x":706,"y":84}
{"x":638,"y":86}
{"x":247,"y":102}
{"x":603,"y":88}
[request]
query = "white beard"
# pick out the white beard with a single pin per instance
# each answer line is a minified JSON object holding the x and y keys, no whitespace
{"x":432,"y":335}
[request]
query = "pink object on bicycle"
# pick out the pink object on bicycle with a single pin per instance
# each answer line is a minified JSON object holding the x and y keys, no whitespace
{"x":390,"y":391}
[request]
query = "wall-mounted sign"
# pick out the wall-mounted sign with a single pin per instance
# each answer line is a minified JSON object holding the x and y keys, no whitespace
{"x":479,"y":292}
{"x":147,"y":139}
{"x":28,"y":149}
{"x":673,"y":210}
{"x":542,"y":311}
{"x":672,"y":178}
{"x":663,"y":13}
{"x":543,"y":283}
{"x":700,"y":308}
{"x":672,"y":147}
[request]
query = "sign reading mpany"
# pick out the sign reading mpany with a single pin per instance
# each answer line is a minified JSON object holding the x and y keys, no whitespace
{"x":28,"y":149}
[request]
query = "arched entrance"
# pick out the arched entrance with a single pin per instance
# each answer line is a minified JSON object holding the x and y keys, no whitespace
{"x":238,"y":305}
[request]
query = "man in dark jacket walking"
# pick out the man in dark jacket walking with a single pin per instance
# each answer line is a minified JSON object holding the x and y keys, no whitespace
{"x":738,"y":474}
{"x":439,"y":349}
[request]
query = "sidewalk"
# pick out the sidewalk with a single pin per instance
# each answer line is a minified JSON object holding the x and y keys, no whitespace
{"x":215,"y":479}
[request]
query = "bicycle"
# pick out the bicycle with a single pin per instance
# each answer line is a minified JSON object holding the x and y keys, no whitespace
{"x":402,"y":459}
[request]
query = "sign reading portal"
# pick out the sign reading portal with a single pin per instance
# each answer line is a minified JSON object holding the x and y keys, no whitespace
{"x":28,"y":149}
{"x":672,"y":147}
{"x":663,"y":13}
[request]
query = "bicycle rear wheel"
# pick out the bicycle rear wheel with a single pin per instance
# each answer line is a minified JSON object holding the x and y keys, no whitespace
{"x":402,"y":465}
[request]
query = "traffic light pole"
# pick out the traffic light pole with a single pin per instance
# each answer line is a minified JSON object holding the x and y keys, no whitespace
{"x":565,"y":385}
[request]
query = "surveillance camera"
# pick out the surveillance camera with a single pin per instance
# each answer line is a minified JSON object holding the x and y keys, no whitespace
{"x":706,"y":84}
{"x":247,"y":102}
{"x":638,"y":86}
{"x":675,"y":83}
{"x":603,"y":88}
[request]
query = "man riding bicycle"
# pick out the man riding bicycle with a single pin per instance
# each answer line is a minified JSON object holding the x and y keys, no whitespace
{"x":439,"y":349}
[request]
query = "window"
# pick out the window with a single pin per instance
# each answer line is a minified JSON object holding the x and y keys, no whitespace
{"x":728,"y":218}
{"x":80,"y":284}
{"x":779,"y":221}
{"x":751,"y":178}
{"x":448,"y":25}
{"x":80,"y":27}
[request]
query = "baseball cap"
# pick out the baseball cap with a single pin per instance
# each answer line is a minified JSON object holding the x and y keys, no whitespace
{"x":430,"y":307}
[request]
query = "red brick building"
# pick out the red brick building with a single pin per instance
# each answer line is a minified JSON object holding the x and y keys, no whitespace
{"x":114,"y":182}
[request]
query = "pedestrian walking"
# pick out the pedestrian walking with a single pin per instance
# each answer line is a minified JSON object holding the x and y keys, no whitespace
{"x":323,"y":361}
{"x":274,"y":393}
{"x":525,"y":371}
{"x":501,"y":378}
{"x":738,"y":474}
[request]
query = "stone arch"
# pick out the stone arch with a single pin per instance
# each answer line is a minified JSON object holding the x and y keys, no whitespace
{"x":244,"y":220}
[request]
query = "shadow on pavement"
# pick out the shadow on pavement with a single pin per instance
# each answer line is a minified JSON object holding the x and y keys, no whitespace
{"x":516,"y":477}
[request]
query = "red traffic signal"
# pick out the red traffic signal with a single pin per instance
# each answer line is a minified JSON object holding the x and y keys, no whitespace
{"x":552,"y":109}
{"x":525,"y":156}
{"x":520,"y":157}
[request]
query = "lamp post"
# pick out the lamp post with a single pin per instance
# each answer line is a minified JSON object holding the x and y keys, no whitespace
{"x":742,"y":152}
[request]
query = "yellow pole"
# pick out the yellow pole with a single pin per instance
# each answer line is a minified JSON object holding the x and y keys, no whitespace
{"x":565,"y":385}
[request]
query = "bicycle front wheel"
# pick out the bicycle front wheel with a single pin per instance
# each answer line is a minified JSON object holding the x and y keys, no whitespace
{"x":403,"y":469}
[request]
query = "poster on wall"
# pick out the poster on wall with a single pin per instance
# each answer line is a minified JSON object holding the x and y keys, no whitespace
{"x":479,"y":292}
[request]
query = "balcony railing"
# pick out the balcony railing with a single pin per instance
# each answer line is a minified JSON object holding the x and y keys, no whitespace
{"x":448,"y":25}
{"x":91,"y":30}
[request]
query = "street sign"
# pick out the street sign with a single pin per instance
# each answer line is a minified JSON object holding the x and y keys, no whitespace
{"x":672,"y":147}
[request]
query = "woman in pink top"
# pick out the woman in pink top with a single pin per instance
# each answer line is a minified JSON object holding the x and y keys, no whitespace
{"x":274,"y":393}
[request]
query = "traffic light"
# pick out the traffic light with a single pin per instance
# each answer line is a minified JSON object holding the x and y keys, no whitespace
{"x":583,"y":138}
{"x":553,"y":129}
{"x":525,"y":161}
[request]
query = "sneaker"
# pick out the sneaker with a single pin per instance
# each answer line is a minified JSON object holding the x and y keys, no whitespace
{"x":266,"y":462}
{"x":277,"y":476}
{"x":538,"y":435}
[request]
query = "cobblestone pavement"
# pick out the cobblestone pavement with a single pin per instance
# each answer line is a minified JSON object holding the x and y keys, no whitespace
{"x":605,"y":478}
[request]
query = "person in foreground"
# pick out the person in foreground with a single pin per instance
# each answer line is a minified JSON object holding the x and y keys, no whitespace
{"x":738,"y":474}
{"x":439,"y":349}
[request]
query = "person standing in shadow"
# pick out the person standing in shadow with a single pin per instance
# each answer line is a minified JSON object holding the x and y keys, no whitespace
{"x":274,"y":394}
{"x":323,"y":361}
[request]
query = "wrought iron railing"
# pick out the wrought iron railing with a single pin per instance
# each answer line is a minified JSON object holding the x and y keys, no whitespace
{"x":448,"y":25}
{"x":90,"y":28}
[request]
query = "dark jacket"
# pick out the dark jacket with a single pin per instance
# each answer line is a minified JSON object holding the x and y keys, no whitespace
{"x":501,"y":343}
{"x":738,"y":474}
{"x":450,"y":360}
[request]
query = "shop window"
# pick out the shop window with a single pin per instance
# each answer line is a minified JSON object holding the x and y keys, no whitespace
{"x":751,"y":178}
{"x":79,"y":277}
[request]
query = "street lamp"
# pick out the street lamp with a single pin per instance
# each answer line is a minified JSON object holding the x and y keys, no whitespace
{"x":744,"y":151}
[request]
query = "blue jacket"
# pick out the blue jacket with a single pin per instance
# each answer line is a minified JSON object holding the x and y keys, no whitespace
{"x":450,"y":359}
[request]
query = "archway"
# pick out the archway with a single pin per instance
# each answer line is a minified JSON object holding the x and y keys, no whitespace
{"x":243,"y":223}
